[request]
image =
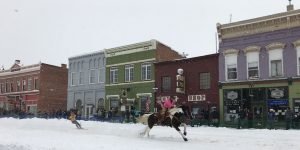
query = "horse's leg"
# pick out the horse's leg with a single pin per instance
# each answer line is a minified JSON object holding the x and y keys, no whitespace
{"x":184,"y":129}
{"x":182,"y":135}
{"x":144,"y":132}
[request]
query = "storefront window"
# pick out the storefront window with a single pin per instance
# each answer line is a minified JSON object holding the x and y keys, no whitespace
{"x":232,"y":99}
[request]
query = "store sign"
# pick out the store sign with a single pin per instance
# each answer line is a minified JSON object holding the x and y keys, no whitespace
{"x":278,"y":102}
{"x":232,"y":95}
{"x":180,"y":82}
{"x":277,"y":93}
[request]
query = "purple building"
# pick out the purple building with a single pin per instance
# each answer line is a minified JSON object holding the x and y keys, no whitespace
{"x":259,"y":68}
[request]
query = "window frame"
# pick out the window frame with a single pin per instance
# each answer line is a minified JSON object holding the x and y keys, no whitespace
{"x":275,"y":55}
{"x":90,"y":76}
{"x":101,"y":75}
{"x":231,"y":60}
{"x":146,"y":71}
{"x":129,"y":72}
{"x":113,"y":75}
{"x":73,"y":78}
{"x":206,"y":84}
{"x":166,"y":85}
{"x":278,"y":67}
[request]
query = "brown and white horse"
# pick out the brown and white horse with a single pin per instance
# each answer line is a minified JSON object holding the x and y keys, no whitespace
{"x":175,"y":119}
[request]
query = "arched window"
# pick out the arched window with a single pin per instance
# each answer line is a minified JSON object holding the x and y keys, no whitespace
{"x":95,"y":62}
{"x":90,"y":64}
{"x":99,"y":62}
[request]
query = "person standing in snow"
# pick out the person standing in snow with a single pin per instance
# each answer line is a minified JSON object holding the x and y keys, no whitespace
{"x":74,"y":121}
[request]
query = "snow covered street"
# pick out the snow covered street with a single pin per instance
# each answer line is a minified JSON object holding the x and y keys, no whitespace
{"x":54,"y":134}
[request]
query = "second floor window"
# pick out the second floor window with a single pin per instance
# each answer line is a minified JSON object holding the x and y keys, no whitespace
{"x":36,"y":84}
{"x":24,"y":85}
{"x":29,"y":87}
{"x":205,"y":80}
{"x":166,"y":84}
{"x":1,"y":88}
{"x":92,"y":76}
{"x":146,"y":71}
{"x":7,"y":89}
{"x":276,"y":68}
{"x":18,"y":85}
{"x":11,"y":86}
{"x":299,"y":66}
{"x":73,"y":78}
{"x":253,"y":70}
{"x":81,"y":77}
{"x":129,"y":73}
{"x":101,"y":75}
{"x":113,"y":75}
{"x":231,"y":72}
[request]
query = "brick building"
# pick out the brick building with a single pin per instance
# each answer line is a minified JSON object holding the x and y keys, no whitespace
{"x":199,"y":87}
{"x":34,"y":88}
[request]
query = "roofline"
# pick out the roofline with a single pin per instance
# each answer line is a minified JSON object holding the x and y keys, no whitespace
{"x":86,"y":54}
{"x":187,"y":59}
{"x":260,"y":19}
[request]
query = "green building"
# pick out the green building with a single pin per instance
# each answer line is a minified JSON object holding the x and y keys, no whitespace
{"x":130,"y":75}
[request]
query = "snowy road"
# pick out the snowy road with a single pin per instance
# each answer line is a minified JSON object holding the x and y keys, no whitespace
{"x":53,"y":134}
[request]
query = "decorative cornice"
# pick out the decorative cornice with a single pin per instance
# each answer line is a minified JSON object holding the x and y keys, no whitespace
{"x":296,"y":43}
{"x":275,"y":45}
{"x":285,"y":20}
{"x":252,"y":48}
{"x":230,"y":51}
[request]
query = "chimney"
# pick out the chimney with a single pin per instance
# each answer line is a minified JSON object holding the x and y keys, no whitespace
{"x":17,"y":62}
{"x":64,"y":66}
{"x":290,"y":7}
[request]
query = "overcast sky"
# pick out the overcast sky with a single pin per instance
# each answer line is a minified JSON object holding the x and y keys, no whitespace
{"x":51,"y":31}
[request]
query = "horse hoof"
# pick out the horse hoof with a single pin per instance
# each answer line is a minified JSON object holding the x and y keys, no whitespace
{"x":185,"y":139}
{"x":184,"y":133}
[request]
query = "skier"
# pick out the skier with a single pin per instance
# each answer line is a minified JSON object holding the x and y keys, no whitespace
{"x":74,"y":121}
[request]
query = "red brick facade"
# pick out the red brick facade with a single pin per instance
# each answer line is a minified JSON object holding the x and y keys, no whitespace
{"x":195,"y":96}
{"x":34,"y":88}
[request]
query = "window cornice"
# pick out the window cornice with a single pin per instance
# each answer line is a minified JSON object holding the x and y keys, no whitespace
{"x":230,"y":51}
{"x":297,"y":43}
{"x":252,"y":48}
{"x":275,"y":45}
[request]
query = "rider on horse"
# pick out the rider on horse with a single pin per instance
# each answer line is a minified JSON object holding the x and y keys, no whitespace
{"x":166,"y":105}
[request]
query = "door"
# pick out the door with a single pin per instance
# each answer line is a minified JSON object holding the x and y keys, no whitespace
{"x":258,"y":115}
